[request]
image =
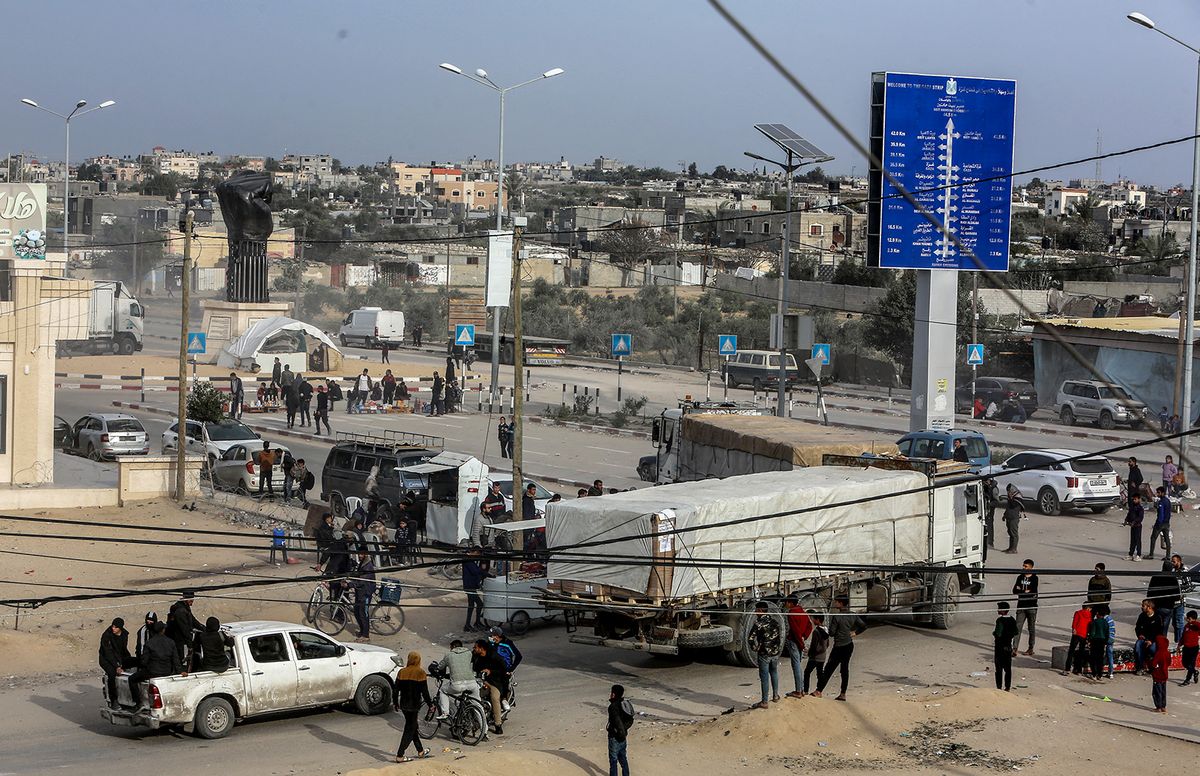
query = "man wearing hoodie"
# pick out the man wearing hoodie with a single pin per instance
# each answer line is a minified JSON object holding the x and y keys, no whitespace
{"x":458,"y":668}
{"x":114,"y":655}
{"x":211,"y":644}
{"x":620,"y":717}
{"x":143,"y":635}
{"x":1160,"y":664}
{"x":1077,"y":652}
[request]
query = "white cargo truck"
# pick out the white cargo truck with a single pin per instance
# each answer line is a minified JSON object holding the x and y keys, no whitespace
{"x":116,"y":320}
{"x":699,"y":440}
{"x":681,"y":565}
{"x":371,"y":327}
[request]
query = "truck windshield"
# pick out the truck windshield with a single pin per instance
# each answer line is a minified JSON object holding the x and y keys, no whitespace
{"x":135,"y":310}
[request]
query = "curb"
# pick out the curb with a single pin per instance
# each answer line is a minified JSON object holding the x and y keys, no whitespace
{"x":609,"y":430}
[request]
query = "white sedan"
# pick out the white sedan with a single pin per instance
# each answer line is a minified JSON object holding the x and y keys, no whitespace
{"x":237,"y":469}
{"x":209,"y":439}
{"x":1055,"y":482}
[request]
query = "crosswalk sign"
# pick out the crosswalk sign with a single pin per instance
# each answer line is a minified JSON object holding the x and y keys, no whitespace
{"x":197,"y":343}
{"x":464,"y":334}
{"x":727,"y":345}
{"x":622,"y":345}
{"x":975,"y":354}
{"x":821,"y":350}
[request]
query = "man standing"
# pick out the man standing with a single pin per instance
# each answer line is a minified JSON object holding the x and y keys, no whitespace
{"x":1160,"y":664}
{"x":1098,"y":635}
{"x":114,"y":656}
{"x":364,"y":588}
{"x":384,"y":349}
{"x":388,"y":381}
{"x":363,"y":386}
{"x":799,"y":628}
{"x":529,"y":502}
{"x":766,"y":639}
{"x":1133,"y":483}
{"x":1078,"y":649}
{"x":620,"y":717}
{"x":1026,"y":591}
{"x":277,"y":374}
{"x":303,"y":480}
{"x":291,"y":401}
{"x":960,"y":452}
{"x":288,"y":464}
{"x":1013,"y":509}
{"x":437,"y":404}
{"x":991,"y":498}
{"x":306,"y":392}
{"x":1169,"y":470}
{"x":416,"y":335}
{"x":286,"y":377}
{"x":237,"y":396}
{"x":183,"y":625}
{"x":1133,"y":519}
{"x":505,"y":436}
{"x":323,"y":410}
{"x":266,"y":468}
{"x":843,"y":627}
{"x":472,"y":579}
{"x":1167,"y":594}
{"x":1099,"y":589}
{"x":1162,"y":524}
{"x":1175,"y":567}
{"x":1004,"y":636}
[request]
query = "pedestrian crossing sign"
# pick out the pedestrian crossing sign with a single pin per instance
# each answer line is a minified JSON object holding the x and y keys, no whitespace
{"x":464,"y":334}
{"x":974,"y":354}
{"x":822,"y":351}
{"x":727,"y":345}
{"x":197,"y":343}
{"x":622,"y":345}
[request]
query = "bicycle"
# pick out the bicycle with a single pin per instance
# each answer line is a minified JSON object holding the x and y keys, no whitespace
{"x":467,"y":721}
{"x":332,"y":616}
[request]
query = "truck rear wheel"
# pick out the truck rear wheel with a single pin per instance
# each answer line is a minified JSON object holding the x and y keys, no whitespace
{"x":705,"y":638}
{"x":945,"y":601}
{"x":214,"y":718}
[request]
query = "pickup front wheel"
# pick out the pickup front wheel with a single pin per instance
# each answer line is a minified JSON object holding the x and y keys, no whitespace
{"x":214,"y":718}
{"x":374,"y":695}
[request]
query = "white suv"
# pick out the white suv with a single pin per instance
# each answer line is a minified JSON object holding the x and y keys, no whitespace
{"x":1057,"y":483}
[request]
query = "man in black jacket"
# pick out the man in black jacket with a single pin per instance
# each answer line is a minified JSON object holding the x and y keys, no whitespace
{"x":161,"y":658}
{"x":143,"y":635}
{"x":1147,"y":628}
{"x":211,"y":645}
{"x":182,"y":625}
{"x":306,"y":392}
{"x":1133,"y":483}
{"x":114,"y":655}
{"x":1026,"y":591}
{"x":1165,"y":591}
{"x":237,"y":395}
{"x":619,"y":720}
{"x":495,"y":679}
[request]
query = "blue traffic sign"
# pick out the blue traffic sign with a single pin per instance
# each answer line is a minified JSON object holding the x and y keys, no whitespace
{"x":464,"y":334}
{"x":975,"y":354}
{"x":949,"y":141}
{"x":197,"y":343}
{"x":622,"y":345}
{"x":727,"y":344}
{"x":822,"y":350}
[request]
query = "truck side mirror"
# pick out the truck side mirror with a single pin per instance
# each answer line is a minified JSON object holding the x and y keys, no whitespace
{"x":656,"y":431}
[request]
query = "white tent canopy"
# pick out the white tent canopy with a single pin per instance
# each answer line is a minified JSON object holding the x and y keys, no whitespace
{"x":287,"y":339}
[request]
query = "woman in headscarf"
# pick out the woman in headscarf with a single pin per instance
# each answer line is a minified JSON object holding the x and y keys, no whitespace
{"x":411,"y":694}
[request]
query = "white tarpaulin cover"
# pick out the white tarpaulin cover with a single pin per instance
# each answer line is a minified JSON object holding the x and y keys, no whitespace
{"x":276,"y":336}
{"x":888,"y":531}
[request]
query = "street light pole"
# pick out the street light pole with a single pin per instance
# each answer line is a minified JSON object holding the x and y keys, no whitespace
{"x":67,"y":159}
{"x":481,"y":77}
{"x":1189,"y":329}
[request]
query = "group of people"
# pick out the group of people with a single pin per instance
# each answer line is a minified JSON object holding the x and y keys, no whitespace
{"x":1138,"y":496}
{"x":176,"y":646}
{"x":1008,"y":410}
{"x":347,"y":558}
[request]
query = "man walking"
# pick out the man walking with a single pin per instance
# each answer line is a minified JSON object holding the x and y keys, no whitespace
{"x":291,"y":401}
{"x":237,"y":396}
{"x":1013,"y":509}
{"x":1162,"y":524}
{"x":114,"y":656}
{"x":384,"y":349}
{"x":766,"y":639}
{"x":798,"y":631}
{"x":505,"y":436}
{"x":1026,"y":591}
{"x":306,"y":393}
{"x":1004,"y":636}
{"x":364,"y":588}
{"x":416,"y":335}
{"x":437,"y":405}
{"x":842,"y":630}
{"x":991,"y":498}
{"x":472,"y":580}
{"x":323,"y":410}
{"x":1133,"y":519}
{"x":620,"y":717}
{"x":266,"y":469}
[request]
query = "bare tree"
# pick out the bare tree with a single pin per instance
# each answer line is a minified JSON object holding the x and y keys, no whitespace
{"x":631,"y":245}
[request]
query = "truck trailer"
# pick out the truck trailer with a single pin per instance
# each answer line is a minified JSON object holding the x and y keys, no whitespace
{"x":115,"y":321}
{"x":680,"y":566}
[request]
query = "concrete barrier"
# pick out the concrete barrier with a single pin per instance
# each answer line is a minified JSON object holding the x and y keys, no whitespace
{"x":151,"y":477}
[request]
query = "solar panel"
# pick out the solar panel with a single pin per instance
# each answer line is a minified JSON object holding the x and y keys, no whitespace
{"x":788,"y":140}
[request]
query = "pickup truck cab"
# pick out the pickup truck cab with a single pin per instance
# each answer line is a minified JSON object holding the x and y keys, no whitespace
{"x":275,"y":667}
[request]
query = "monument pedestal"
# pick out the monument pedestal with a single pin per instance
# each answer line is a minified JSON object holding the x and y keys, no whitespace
{"x":226,"y":321}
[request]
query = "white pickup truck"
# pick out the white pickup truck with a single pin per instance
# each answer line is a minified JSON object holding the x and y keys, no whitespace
{"x":275,"y":667}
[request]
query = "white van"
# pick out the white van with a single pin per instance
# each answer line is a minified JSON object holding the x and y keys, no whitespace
{"x":372,"y":326}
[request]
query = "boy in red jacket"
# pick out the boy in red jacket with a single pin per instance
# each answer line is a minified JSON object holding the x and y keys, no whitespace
{"x":1159,"y":665}
{"x":799,"y":628}
{"x":1190,"y":641}
{"x":1077,"y":651}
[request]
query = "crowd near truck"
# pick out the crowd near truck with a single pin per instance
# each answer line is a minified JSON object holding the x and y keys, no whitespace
{"x":680,"y":566}
{"x":115,"y":322}
{"x":699,"y":440}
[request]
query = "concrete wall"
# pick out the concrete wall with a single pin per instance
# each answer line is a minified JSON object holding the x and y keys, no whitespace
{"x":806,"y":293}
{"x":1160,"y":288}
{"x":143,"y":478}
{"x":997,"y":302}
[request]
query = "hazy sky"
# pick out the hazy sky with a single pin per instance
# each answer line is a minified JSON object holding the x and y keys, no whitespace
{"x":647,"y":82}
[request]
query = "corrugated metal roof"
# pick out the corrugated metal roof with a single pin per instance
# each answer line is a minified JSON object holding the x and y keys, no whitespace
{"x":1151,"y":325}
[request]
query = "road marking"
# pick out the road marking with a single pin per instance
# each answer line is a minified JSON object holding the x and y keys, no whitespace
{"x":608,"y":450}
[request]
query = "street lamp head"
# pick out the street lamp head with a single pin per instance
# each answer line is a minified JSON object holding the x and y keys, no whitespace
{"x":107,"y":104}
{"x":30,"y":102}
{"x":1142,"y":19}
{"x":451,"y":68}
{"x":479,"y":71}
{"x":80,"y":104}
{"x":552,"y":73}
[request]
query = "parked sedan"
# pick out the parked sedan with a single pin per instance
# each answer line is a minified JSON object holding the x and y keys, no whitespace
{"x":238,"y":469}
{"x":210,"y":439}
{"x":1056,"y":483}
{"x":107,"y":435}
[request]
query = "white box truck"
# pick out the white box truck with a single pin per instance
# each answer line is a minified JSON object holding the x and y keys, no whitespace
{"x":681,"y":565}
{"x":116,"y":320}
{"x":371,"y":327}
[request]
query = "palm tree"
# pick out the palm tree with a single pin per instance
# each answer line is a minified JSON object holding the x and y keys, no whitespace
{"x":1082,"y":209}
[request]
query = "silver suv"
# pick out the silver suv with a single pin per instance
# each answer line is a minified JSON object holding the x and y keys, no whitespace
{"x":1093,"y":401}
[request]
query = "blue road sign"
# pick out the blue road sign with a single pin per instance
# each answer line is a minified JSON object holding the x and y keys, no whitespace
{"x":822,"y":351}
{"x":464,"y":334}
{"x":975,"y":354}
{"x":727,"y":344}
{"x":939,"y":134}
{"x":622,"y":345}
{"x":197,"y":343}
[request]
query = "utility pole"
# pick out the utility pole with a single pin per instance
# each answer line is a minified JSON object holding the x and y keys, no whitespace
{"x":184,"y":288}
{"x":974,"y":331}
{"x":300,"y":271}
{"x":518,"y":487}
{"x":137,"y":279}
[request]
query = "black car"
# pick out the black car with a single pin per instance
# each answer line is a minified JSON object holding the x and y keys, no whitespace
{"x":999,"y":390}
{"x":351,"y":459}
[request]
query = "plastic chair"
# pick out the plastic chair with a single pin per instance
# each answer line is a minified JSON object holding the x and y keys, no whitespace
{"x":352,"y":504}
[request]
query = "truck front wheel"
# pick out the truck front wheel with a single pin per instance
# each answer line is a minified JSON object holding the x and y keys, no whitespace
{"x":945,"y":601}
{"x":214,"y":718}
{"x":374,"y":695}
{"x":126,"y":346}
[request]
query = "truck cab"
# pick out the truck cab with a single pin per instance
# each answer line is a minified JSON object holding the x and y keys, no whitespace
{"x":663,"y":466}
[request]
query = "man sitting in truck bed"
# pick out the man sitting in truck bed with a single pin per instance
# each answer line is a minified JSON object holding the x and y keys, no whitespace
{"x":160,"y":658}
